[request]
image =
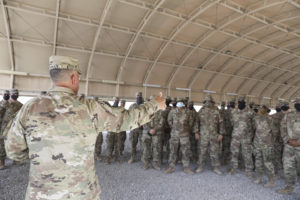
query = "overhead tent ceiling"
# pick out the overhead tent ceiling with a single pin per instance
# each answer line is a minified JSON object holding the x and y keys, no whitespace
{"x":179,"y":47}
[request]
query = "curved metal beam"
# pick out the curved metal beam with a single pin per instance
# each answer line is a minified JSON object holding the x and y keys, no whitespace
{"x":244,"y":13}
{"x":202,"y":8}
{"x":102,"y":18}
{"x":130,"y":47}
{"x":55,"y":27}
{"x":9,"y":42}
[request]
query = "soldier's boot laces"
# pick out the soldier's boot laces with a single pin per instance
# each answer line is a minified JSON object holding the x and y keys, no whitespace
{"x":2,"y":164}
{"x":156,"y":166}
{"x":287,"y":190}
{"x":270,"y":183}
{"x":258,"y":179}
{"x":217,"y":171}
{"x":107,"y":160}
{"x":249,"y":174}
{"x":232,"y":171}
{"x":188,"y":170}
{"x":169,"y":170}
{"x":131,"y":160}
{"x":199,"y":169}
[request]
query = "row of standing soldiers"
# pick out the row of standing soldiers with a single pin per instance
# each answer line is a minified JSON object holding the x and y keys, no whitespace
{"x":244,"y":135}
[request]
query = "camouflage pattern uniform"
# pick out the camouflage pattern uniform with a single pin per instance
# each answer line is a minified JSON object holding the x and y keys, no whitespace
{"x":241,"y":121}
{"x":263,"y":146}
{"x":290,"y":130}
{"x":210,"y":126}
{"x":226,"y":153}
{"x":152,"y":143}
{"x":57,"y":132}
{"x":194,"y":143}
{"x":123,"y":134}
{"x":98,"y":146}
{"x":180,"y":123}
{"x":277,"y":139}
{"x":167,"y":131}
{"x":3,"y":106}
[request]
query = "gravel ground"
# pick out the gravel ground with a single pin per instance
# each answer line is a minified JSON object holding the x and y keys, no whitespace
{"x":125,"y":181}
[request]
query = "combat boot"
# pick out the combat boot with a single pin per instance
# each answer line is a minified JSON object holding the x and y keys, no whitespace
{"x":286,"y":190}
{"x":217,"y":171}
{"x":117,"y":159}
{"x":169,"y":170}
{"x":156,"y":166}
{"x":131,"y":160}
{"x":2,"y":164}
{"x":188,"y":170}
{"x":270,"y":183}
{"x":258,"y":179}
{"x":232,"y":171}
{"x":107,"y":160}
{"x":199,"y":169}
{"x":98,"y":158}
{"x":249,"y":174}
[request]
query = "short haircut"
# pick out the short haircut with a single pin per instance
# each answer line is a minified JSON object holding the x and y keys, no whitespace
{"x":58,"y":75}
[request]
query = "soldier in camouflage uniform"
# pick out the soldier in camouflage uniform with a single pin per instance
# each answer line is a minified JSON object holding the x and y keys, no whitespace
{"x":136,"y":133}
{"x":210,"y":129}
{"x":3,"y":106}
{"x":166,"y":136}
{"x":58,"y":133}
{"x":113,"y":140}
{"x":263,"y":146}
{"x":194,"y":144}
{"x":152,"y":140}
{"x":277,"y":139}
{"x":290,"y":132}
{"x":241,"y":137}
{"x":122,"y":133}
{"x":180,"y":122}
{"x":99,"y":141}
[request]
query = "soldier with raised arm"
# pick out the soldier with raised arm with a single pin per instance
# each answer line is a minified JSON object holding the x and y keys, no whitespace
{"x":57,"y":132}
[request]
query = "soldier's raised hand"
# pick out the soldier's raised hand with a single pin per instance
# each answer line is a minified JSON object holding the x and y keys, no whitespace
{"x":161,"y":101}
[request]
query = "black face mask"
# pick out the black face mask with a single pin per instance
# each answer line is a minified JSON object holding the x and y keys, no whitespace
{"x":232,"y":105}
{"x":174,"y":104}
{"x":255,"y":110}
{"x":297,"y":106}
{"x":14,"y":96}
{"x":116,"y":104}
{"x":191,"y":107}
{"x":228,"y":107}
{"x":268,"y":111}
{"x":250,"y":106}
{"x":6,"y":97}
{"x":168,"y":102}
{"x":139,"y":100}
{"x":241,"y":105}
{"x":278,"y":110}
{"x":285,"y":108}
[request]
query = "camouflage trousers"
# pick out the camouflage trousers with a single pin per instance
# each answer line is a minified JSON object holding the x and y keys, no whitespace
{"x":123,"y":136}
{"x":185,"y":147}
{"x":135,"y":134}
{"x":113,"y":142}
{"x":291,"y":156}
{"x":98,"y":146}
{"x":166,"y":141}
{"x":194,"y":147}
{"x":277,"y":156}
{"x":226,"y":153}
{"x":213,"y":147}
{"x":152,"y":145}
{"x":245,"y":145}
{"x":2,"y":150}
{"x":264,"y":159}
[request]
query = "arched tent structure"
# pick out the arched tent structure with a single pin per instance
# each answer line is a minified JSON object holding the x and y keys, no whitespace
{"x":179,"y":47}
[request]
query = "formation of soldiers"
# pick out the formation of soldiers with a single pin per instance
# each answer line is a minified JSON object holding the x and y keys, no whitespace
{"x":237,"y":136}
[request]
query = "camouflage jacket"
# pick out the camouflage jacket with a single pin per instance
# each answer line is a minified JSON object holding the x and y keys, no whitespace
{"x":262,"y":128}
{"x":157,"y":123}
{"x":227,"y":122}
{"x":241,"y":121}
{"x":290,"y":127}
{"x":180,"y":122}
{"x":3,"y":106}
{"x":58,"y":133}
{"x":134,"y":106}
{"x":165,"y":116}
{"x":194,"y":117}
{"x":210,"y":122}
{"x":10,"y":113}
{"x":275,"y":126}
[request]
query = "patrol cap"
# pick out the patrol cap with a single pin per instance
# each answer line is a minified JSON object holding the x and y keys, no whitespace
{"x":6,"y":92}
{"x":14,"y":91}
{"x":64,"y":62}
{"x":296,"y":100}
{"x":139,"y":94}
{"x":284,"y":103}
{"x":116,"y":99}
{"x":223,"y":103}
{"x":180,"y":99}
{"x":96,"y":98}
{"x":241,"y":98}
{"x":208,"y":97}
{"x":191,"y":103}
